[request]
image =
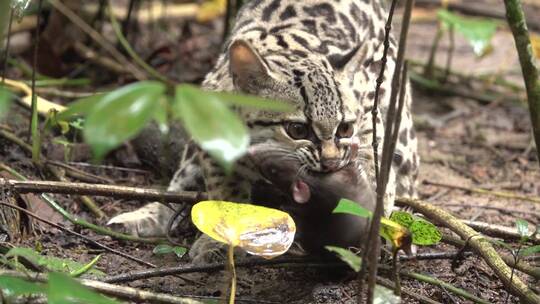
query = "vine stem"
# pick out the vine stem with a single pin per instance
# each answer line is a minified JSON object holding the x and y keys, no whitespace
{"x":392,"y":124}
{"x":531,"y":75}
{"x":375,"y":144}
{"x":34,"y":127}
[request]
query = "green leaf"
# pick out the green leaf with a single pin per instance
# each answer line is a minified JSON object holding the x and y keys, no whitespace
{"x":347,"y":206}
{"x":50,"y":262}
{"x":120,"y":115}
{"x":478,"y":31}
{"x":81,"y":107}
{"x":383,"y":295}
{"x":166,"y":249}
{"x":179,"y":251}
{"x":216,"y":128}
{"x":403,"y":218}
{"x":354,"y":261}
{"x":14,"y":287}
{"x":85,"y":268}
{"x":424,"y":233}
{"x":5,"y":101}
{"x":162,"y":249}
{"x":530,"y":250}
{"x":64,"y":290}
{"x":522,"y":227}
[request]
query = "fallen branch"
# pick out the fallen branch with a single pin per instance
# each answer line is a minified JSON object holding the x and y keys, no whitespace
{"x":502,"y":194}
{"x":103,"y":190}
{"x":480,"y":245}
{"x":499,"y":231}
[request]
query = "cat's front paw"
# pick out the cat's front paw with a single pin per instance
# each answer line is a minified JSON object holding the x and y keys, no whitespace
{"x":148,"y":221}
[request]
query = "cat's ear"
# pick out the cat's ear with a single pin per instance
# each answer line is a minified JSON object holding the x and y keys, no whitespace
{"x":248,"y":69}
{"x":351,"y":61}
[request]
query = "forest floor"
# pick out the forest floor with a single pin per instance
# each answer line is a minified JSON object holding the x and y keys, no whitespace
{"x":462,"y":142}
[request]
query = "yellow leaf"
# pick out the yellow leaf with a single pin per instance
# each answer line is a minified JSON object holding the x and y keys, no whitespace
{"x":399,"y":235}
{"x":258,"y":230}
{"x":211,"y":9}
{"x":43,"y":105}
{"x":535,"y":42}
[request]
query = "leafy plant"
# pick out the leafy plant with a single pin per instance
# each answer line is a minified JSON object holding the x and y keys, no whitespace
{"x":261,"y":231}
{"x":478,"y":31}
{"x":114,"y":117}
{"x":402,"y":230}
{"x":53,"y":263}
{"x":60,"y":289}
{"x":164,"y":249}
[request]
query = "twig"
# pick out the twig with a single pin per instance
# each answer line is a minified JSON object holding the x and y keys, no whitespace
{"x":6,"y":49}
{"x":106,"y":62}
{"x":507,"y":258}
{"x":375,"y":144}
{"x":502,"y":194}
{"x":500,"y":209}
{"x":393,"y":119}
{"x":73,"y":219}
{"x":445,"y":286}
{"x":103,"y":190}
{"x":479,"y":244}
{"x":80,"y":174}
{"x":88,"y":202}
{"x":97,"y":37}
{"x":34,"y":133}
{"x":127,"y":47}
{"x":129,"y":293}
{"x":516,"y":21}
{"x":499,"y":231}
{"x":87,"y":239}
{"x":420,"y":298}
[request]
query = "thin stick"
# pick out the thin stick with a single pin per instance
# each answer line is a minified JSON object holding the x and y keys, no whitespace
{"x":34,"y":131}
{"x":87,"y":239}
{"x":375,"y":144}
{"x":6,"y":51}
{"x":103,"y":190}
{"x":97,"y":37}
{"x":127,"y":47}
{"x":514,"y":196}
{"x":516,"y":21}
{"x":391,"y":130}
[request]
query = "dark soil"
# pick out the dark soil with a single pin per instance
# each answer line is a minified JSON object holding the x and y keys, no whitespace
{"x":461,"y":141}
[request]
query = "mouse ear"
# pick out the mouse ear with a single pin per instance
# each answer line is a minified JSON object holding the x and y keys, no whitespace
{"x":301,"y":192}
{"x":248,"y":69}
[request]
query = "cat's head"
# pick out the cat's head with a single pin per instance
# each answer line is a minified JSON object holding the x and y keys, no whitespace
{"x":326,"y":117}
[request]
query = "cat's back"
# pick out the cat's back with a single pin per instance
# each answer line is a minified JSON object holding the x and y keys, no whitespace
{"x":320,"y":26}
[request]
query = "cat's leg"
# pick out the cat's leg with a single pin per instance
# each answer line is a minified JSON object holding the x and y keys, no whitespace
{"x":406,"y":159}
{"x":152,"y":219}
{"x":220,"y":186}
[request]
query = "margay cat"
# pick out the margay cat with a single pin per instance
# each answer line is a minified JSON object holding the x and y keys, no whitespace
{"x":321,"y":56}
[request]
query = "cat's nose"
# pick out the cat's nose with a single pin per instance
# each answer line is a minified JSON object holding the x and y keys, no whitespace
{"x":329,"y":165}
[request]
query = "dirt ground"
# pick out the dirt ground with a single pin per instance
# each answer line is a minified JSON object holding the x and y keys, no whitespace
{"x":461,"y":142}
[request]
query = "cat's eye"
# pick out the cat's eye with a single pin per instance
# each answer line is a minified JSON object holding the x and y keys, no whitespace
{"x":297,"y":130}
{"x":345,"y":130}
